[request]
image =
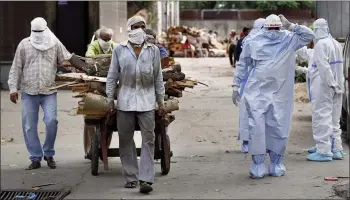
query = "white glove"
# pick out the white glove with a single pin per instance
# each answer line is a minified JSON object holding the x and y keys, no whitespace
{"x":286,"y":24}
{"x":302,"y":70}
{"x":235,"y":96}
{"x":337,"y":89}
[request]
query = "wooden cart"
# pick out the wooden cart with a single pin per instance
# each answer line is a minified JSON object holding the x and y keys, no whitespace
{"x":99,"y":139}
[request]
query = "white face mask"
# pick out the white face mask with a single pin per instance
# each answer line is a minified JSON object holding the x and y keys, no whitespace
{"x":43,"y":40}
{"x":37,"y":37}
{"x":105,"y":46}
{"x":272,"y":34}
{"x":137,"y":36}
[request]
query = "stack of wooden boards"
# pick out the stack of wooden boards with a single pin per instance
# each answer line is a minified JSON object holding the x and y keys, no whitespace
{"x":92,"y":91}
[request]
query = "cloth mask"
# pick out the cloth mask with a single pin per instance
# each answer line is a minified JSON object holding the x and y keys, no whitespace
{"x":137,"y":36}
{"x":105,"y":46}
{"x":272,"y":34}
{"x":43,"y":40}
{"x":37,"y":37}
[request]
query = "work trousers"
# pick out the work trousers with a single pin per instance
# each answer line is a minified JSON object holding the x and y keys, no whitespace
{"x":232,"y":53}
{"x":126,"y":122}
{"x":30,"y":115}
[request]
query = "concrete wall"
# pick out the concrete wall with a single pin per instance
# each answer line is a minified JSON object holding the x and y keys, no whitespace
{"x":337,"y":14}
{"x":223,"y":27}
{"x":4,"y":73}
{"x":113,"y":14}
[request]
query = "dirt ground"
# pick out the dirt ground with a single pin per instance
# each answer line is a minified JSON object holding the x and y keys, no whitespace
{"x":207,"y":162}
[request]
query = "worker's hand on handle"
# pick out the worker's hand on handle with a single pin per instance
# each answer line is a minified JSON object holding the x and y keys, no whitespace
{"x":161,"y":110}
{"x":111,"y":106}
{"x":14,"y":97}
{"x":286,"y":24}
{"x":91,"y":70}
{"x":235,"y":96}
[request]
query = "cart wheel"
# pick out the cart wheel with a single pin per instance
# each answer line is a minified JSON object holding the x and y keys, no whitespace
{"x":165,"y":155}
{"x":95,"y":154}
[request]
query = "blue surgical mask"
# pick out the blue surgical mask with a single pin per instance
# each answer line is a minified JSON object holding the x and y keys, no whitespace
{"x":272,"y":34}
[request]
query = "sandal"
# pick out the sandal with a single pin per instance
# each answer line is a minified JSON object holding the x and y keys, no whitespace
{"x":132,"y":184}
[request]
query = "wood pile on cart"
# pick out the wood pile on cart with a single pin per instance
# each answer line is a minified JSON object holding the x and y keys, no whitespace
{"x":92,"y":89}
{"x":93,"y":104}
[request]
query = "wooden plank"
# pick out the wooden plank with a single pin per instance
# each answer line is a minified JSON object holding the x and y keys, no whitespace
{"x":83,"y":77}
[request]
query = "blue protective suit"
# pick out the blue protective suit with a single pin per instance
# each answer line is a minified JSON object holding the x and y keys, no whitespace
{"x":269,"y":89}
{"x":243,"y":114}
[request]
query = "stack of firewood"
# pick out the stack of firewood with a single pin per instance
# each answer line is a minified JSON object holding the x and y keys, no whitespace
{"x":176,"y":82}
{"x":92,"y":90}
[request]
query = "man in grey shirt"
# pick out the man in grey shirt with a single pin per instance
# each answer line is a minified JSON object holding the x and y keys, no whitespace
{"x":33,"y":70}
{"x":136,"y":65}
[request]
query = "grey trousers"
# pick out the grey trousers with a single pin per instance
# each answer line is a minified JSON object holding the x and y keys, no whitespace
{"x":126,"y":127}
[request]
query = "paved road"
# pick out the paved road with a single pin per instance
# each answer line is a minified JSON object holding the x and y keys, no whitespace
{"x":206,"y":163}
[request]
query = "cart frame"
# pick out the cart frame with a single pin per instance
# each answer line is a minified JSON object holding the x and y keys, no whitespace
{"x":99,"y":148}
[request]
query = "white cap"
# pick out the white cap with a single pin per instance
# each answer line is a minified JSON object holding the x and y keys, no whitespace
{"x":38,"y":24}
{"x":272,"y":21}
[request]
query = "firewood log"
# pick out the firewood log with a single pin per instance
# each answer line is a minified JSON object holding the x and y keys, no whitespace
{"x":93,"y":103}
{"x":176,"y":76}
{"x":173,"y":92}
{"x":168,"y":119}
{"x":171,"y":105}
{"x":176,"y":67}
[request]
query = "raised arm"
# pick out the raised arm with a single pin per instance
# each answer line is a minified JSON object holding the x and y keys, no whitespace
{"x":302,"y":34}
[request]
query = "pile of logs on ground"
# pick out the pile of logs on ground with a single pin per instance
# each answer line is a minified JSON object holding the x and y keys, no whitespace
{"x":199,"y":39}
{"x":93,"y":98}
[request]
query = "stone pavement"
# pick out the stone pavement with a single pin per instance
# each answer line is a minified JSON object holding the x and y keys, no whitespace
{"x":207,"y":162}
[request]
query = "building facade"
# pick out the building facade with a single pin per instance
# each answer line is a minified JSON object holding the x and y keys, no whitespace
{"x":73,"y":22}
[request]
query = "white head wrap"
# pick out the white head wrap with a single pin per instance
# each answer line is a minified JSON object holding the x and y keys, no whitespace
{"x":136,"y":36}
{"x":133,"y":20}
{"x":41,"y":36}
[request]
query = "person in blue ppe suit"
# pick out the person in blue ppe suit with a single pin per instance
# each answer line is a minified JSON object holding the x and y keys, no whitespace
{"x":243,"y":113}
{"x":269,"y":90}
{"x":327,"y":88}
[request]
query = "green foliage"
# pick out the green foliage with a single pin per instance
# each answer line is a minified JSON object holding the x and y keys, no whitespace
{"x":262,"y":5}
{"x":274,"y":5}
{"x":300,"y":77}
